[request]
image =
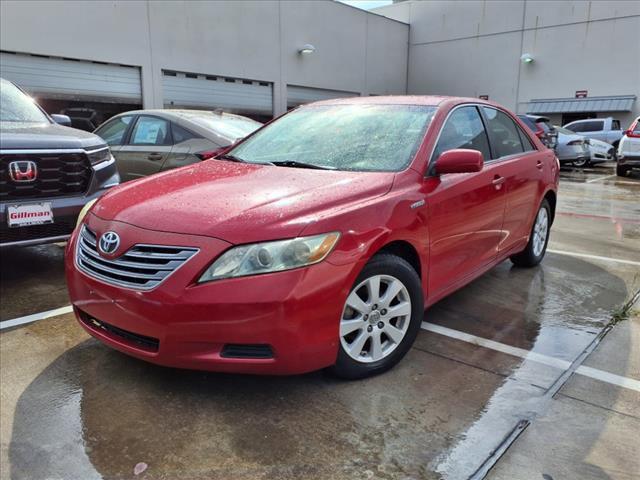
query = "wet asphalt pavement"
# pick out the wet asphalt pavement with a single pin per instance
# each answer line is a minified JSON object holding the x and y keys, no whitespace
{"x":494,"y":355}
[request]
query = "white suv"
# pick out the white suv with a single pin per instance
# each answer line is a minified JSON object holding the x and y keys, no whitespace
{"x":629,"y":149}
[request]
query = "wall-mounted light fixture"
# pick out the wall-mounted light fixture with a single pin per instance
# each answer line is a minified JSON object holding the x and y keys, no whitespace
{"x":307,"y":49}
{"x":526,"y":58}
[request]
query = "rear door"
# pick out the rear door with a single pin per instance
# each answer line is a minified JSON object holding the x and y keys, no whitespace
{"x":521,"y":165}
{"x":148,"y":147}
{"x":465,"y":210}
{"x":186,"y":147}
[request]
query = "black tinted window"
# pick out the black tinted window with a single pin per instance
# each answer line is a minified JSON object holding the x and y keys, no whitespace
{"x":503,"y":132}
{"x":615,"y":125}
{"x":463,"y":129}
{"x":113,"y":131}
{"x":526,"y":142}
{"x":591,"y":126}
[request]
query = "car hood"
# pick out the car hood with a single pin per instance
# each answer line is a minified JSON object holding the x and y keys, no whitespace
{"x":238,"y":203}
{"x":40,"y":136}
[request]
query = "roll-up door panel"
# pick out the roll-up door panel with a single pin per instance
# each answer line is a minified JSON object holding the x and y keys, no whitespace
{"x":62,"y":78}
{"x":208,"y":91}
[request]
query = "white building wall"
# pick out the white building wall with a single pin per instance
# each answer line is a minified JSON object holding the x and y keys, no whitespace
{"x":473,"y":48}
{"x":356,"y":51}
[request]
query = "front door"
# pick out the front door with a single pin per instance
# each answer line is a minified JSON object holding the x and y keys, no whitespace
{"x":465,"y":210}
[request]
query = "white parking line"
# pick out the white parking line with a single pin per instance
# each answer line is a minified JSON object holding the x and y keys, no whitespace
{"x":590,"y":372}
{"x":35,"y":317}
{"x":593,"y":257}
{"x":599,"y":178}
{"x":601,"y":375}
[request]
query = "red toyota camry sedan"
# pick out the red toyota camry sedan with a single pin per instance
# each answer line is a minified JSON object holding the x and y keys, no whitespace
{"x":318,"y":241}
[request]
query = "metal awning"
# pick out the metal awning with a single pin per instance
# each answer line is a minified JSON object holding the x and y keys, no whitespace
{"x":617,"y":103}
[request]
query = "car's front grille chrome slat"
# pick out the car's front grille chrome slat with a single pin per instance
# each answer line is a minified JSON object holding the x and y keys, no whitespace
{"x":142,"y":267}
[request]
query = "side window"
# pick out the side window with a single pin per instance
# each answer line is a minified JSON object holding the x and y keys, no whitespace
{"x":114,"y":130}
{"x":181,"y":134}
{"x":595,"y":126}
{"x":503,"y":132}
{"x":150,"y":131}
{"x":575,"y":127}
{"x":463,"y":129}
{"x":526,"y":141}
{"x":615,"y":125}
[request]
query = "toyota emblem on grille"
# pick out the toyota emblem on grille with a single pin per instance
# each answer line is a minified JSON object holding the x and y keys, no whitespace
{"x":109,"y":242}
{"x":23,"y":171}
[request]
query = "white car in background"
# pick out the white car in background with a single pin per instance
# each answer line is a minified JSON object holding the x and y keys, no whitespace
{"x":629,"y":149}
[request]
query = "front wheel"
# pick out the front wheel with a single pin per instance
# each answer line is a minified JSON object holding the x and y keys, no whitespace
{"x":380,"y":319}
{"x":534,"y":252}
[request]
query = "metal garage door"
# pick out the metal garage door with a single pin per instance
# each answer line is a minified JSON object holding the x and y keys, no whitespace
{"x":299,"y":95}
{"x":62,"y":78}
{"x":192,"y":90}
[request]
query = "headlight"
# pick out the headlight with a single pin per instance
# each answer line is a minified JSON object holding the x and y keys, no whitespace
{"x":85,"y":209}
{"x":99,"y":156}
{"x":271,"y":256}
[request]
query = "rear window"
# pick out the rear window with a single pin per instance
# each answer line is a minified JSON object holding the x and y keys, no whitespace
{"x":231,"y":127}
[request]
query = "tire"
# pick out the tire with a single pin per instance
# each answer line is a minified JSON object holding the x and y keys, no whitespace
{"x":358,"y":356}
{"x":584,"y":163}
{"x":534,"y":252}
{"x":621,"y":171}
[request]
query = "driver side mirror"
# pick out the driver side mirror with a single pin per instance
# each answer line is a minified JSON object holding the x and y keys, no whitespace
{"x":459,"y":160}
{"x":61,"y":119}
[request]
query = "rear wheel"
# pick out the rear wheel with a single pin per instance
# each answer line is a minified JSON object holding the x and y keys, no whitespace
{"x":582,"y":163}
{"x":533,"y":254}
{"x":380,"y":319}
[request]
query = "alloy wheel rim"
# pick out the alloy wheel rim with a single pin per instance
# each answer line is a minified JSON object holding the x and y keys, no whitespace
{"x":375,"y":318}
{"x":540,"y":231}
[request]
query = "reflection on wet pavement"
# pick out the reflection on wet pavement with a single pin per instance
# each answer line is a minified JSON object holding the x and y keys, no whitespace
{"x":73,"y":408}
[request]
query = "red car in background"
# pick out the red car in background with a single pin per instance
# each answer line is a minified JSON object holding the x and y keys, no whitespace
{"x":315,"y":242}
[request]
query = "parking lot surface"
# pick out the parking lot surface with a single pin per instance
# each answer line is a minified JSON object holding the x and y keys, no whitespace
{"x":512,"y":375}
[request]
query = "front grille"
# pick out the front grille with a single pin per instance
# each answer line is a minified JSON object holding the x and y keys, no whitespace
{"x":141,"y":341}
{"x":142,"y":267}
{"x":246,"y":351}
{"x":58,"y":174}
{"x":34,"y":232}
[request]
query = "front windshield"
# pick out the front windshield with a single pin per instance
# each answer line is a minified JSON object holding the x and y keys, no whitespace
{"x":231,"y":127}
{"x":16,"y":106}
{"x":342,"y":137}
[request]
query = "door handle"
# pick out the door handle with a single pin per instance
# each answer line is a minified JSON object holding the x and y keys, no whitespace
{"x":498,"y":181}
{"x":539,"y":164}
{"x":155,"y":156}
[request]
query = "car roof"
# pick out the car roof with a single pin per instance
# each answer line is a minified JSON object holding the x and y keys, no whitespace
{"x":426,"y":100}
{"x":178,"y":112}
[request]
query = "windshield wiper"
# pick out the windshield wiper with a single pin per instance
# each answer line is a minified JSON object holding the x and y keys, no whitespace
{"x":293,"y":163}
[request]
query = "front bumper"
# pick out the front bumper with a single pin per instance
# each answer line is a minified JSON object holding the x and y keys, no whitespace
{"x":65,"y":212}
{"x":295,"y":313}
